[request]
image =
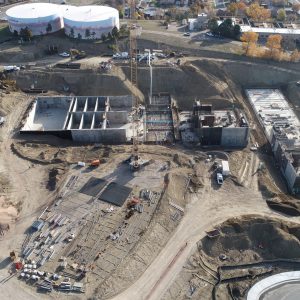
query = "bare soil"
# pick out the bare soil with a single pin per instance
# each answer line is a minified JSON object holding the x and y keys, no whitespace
{"x":242,"y":241}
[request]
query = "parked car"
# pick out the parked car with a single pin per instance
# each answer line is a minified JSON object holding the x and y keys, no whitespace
{"x":64,"y":54}
{"x":187,"y":34}
{"x":2,"y":120}
{"x":220,"y":179}
{"x":122,"y":55}
{"x":209,"y":34}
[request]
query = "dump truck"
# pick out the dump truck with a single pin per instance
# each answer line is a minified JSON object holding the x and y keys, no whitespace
{"x":95,"y":163}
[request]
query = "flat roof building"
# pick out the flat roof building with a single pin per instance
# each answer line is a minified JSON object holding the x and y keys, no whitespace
{"x":282,"y":129}
{"x":227,"y":128}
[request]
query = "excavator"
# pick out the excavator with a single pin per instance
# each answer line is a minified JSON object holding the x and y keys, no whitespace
{"x":77,"y":54}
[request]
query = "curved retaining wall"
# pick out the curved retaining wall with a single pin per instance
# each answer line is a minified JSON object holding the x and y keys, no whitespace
{"x":271,"y":283}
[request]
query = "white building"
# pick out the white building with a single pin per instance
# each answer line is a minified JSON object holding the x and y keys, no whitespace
{"x":264,"y":32}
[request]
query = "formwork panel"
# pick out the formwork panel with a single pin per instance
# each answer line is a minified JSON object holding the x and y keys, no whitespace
{"x":93,"y":186}
{"x":115,"y":194}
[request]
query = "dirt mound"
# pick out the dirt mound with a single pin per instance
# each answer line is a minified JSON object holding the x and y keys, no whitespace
{"x":286,"y":208}
{"x":241,"y":240}
{"x":55,"y":176}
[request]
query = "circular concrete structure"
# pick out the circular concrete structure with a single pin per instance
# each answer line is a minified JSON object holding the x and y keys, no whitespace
{"x":39,"y":18}
{"x":277,"y":287}
{"x":90,"y":22}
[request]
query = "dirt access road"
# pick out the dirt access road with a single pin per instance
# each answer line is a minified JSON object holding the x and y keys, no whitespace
{"x":208,"y":208}
{"x":26,"y":189}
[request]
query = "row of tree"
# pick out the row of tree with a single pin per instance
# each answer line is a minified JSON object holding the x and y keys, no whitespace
{"x":113,"y":35}
{"x":226,"y":28}
{"x":272,"y":49}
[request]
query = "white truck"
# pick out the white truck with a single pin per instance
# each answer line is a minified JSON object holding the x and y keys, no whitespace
{"x":11,"y":68}
{"x":225,"y":168}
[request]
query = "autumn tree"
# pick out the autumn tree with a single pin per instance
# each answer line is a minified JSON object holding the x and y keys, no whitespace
{"x":281,"y":15}
{"x":195,"y":8}
{"x":258,"y":13}
{"x":249,"y":39}
{"x":274,"y":43}
{"x":236,"y":8}
{"x":295,"y":56}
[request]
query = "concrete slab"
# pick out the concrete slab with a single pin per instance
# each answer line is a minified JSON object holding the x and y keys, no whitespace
{"x":276,"y":286}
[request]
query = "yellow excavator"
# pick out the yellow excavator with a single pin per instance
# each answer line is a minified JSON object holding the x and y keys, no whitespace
{"x":77,"y":54}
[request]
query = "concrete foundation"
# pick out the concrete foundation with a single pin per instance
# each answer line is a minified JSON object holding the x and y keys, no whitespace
{"x":89,"y":119}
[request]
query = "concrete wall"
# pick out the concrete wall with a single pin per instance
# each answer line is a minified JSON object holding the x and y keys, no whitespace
{"x":105,"y":136}
{"x":120,"y":101}
{"x":290,"y":175}
{"x":30,"y":118}
{"x":235,"y":137}
{"x":54,"y":102}
{"x":117,"y":117}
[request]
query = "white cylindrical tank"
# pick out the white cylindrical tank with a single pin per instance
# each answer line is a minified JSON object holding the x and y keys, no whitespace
{"x":39,"y":18}
{"x":90,"y":22}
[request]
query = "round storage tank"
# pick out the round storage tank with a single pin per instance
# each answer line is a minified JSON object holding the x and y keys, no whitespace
{"x":39,"y":18}
{"x":90,"y":22}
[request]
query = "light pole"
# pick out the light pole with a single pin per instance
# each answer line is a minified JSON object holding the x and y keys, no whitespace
{"x":149,"y":63}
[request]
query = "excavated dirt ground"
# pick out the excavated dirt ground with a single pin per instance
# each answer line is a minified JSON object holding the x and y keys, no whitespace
{"x":244,"y":240}
{"x":37,"y":165}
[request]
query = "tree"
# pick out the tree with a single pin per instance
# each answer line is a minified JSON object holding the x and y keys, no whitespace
{"x":195,"y":8}
{"x":26,"y":34}
{"x":103,"y":37}
{"x":249,"y":39}
{"x":72,"y":35}
{"x":236,"y":8}
{"x":213,"y":25}
{"x":87,"y":33}
{"x":79,"y":36}
{"x":93,"y":34}
{"x":236,"y":30}
{"x":292,"y":18}
{"x":296,"y":7}
{"x":15,"y":33}
{"x":295,"y":56}
{"x":274,"y":43}
{"x":258,"y":13}
{"x":109,"y":36}
{"x":49,"y":28}
{"x":281,"y":15}
{"x":225,"y":28}
{"x":115,"y":33}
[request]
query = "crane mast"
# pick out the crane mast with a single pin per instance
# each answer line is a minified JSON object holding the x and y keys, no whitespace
{"x":133,"y":78}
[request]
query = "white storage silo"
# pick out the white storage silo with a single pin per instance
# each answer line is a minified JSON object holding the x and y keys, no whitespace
{"x":90,"y":22}
{"x":39,"y":18}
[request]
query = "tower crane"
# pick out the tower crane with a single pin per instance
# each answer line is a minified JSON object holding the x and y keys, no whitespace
{"x":135,"y":164}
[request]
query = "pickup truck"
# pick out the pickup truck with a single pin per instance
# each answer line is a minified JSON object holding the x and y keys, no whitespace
{"x":220,"y":178}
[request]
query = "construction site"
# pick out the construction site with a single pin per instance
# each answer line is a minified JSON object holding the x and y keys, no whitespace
{"x":129,"y":177}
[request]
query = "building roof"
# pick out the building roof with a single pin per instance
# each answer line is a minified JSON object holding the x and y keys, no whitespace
{"x":269,"y":30}
{"x":275,"y":112}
